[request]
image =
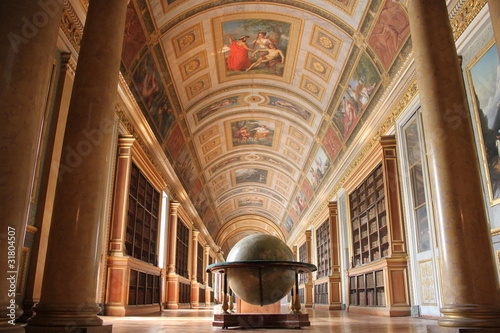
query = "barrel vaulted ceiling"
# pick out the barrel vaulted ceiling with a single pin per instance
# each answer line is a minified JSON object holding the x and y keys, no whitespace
{"x":259,"y":144}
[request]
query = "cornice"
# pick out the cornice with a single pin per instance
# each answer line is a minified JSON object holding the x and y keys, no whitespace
{"x":462,"y":15}
{"x":71,"y":25}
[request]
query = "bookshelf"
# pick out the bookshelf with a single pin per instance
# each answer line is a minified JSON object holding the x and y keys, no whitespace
{"x":369,"y":220}
{"x":367,"y":289}
{"x":143,"y":288}
{"x":323,"y":250}
{"x":142,"y":218}
{"x":182,"y":255}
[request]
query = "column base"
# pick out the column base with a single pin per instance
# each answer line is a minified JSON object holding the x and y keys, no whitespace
{"x":471,"y":316}
{"x":65,"y":329}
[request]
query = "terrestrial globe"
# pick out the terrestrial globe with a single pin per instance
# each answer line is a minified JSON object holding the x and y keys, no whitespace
{"x":261,"y":285}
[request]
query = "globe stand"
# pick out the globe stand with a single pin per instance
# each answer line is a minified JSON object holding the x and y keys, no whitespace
{"x":294,"y":319}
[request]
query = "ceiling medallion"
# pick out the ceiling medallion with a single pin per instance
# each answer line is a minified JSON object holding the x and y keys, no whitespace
{"x":254,"y":99}
{"x":252,"y":157}
{"x":326,"y":42}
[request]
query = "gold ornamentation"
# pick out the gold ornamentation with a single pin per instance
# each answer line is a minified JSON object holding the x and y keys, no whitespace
{"x":326,"y":42}
{"x":71,"y":26}
{"x":463,"y":14}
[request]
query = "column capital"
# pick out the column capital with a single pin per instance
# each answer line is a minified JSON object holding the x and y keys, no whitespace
{"x":308,"y":234}
{"x":333,"y":207}
{"x":174,"y":205}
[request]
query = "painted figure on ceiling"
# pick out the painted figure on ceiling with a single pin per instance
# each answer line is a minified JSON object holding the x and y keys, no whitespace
{"x":238,"y":59}
{"x":272,"y":57}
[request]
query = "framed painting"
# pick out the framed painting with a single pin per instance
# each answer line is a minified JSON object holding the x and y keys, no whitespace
{"x":257,"y":45}
{"x":483,"y":75}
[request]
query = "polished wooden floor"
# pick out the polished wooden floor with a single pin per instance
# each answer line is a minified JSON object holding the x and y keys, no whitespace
{"x":200,"y":320}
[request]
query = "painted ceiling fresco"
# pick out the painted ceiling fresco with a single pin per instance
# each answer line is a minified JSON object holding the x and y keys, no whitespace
{"x":255,"y":103}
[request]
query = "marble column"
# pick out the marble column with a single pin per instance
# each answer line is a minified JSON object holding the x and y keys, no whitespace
{"x":195,"y":286}
{"x":120,"y":199}
{"x":172,"y":290}
{"x":206,"y":262}
{"x":470,"y":283}
{"x":494,"y":6}
{"x":29,"y":30}
{"x":308,"y":288}
{"x":117,"y":276}
{"x":335,"y":280}
{"x":69,"y":286}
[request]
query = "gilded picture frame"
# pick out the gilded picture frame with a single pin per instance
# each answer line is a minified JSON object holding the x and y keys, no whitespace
{"x":483,"y":76}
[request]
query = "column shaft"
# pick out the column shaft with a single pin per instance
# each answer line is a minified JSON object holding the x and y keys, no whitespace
{"x":195,"y":286}
{"x":172,"y":290}
{"x":335,"y":288}
{"x":70,"y":278}
{"x":470,"y":290}
{"x":121,"y":193}
{"x":29,"y":30}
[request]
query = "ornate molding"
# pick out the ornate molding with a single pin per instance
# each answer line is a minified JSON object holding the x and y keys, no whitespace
{"x":71,"y":25}
{"x":463,"y":14}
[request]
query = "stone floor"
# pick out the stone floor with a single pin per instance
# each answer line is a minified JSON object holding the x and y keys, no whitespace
{"x":200,"y":320}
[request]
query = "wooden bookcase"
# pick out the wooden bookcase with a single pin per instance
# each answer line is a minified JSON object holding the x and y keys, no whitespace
{"x":143,"y":288}
{"x":142,"y":218}
{"x":369,"y":220}
{"x":378,"y":274}
{"x":367,"y":289}
{"x":323,"y":250}
{"x":182,"y":255}
{"x":303,"y":258}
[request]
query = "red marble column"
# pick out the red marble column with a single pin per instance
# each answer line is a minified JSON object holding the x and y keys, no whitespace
{"x":29,"y":33}
{"x":470,"y":281}
{"x":68,"y":297}
{"x":195,"y":286}
{"x":172,"y":290}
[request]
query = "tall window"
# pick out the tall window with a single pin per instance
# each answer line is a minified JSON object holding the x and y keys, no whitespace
{"x":142,"y":219}
{"x":323,"y":239}
{"x":419,"y":202}
{"x":181,"y":259}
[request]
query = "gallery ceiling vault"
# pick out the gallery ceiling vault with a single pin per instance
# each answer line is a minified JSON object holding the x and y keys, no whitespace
{"x":255,"y":103}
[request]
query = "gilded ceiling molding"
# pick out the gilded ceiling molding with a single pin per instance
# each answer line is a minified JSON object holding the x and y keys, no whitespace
{"x":207,"y":5}
{"x":495,"y":232}
{"x":464,"y":12}
{"x":71,"y":25}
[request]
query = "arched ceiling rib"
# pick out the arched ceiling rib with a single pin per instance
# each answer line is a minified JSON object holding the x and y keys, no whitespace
{"x":261,"y":142}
